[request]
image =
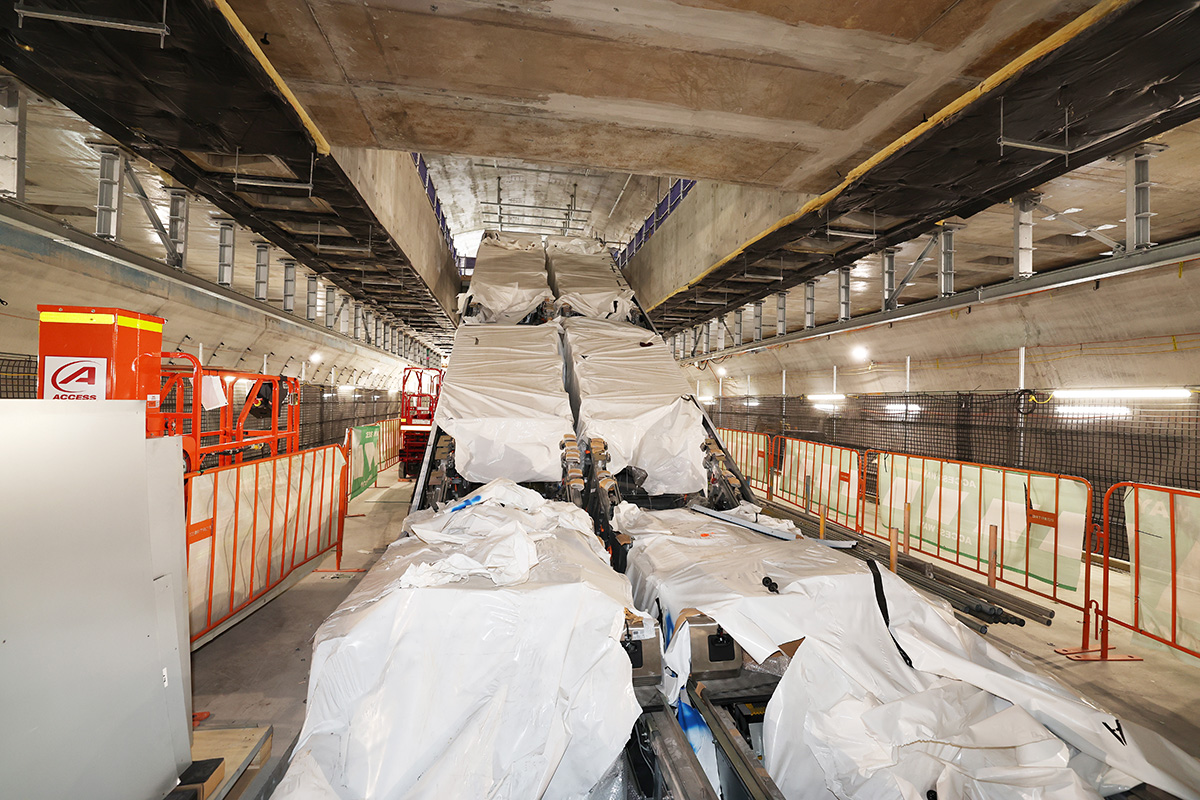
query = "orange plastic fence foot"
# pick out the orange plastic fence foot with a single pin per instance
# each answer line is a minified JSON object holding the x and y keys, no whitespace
{"x":199,"y":717}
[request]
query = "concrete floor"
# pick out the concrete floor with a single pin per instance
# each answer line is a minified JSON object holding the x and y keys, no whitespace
{"x":256,"y":673}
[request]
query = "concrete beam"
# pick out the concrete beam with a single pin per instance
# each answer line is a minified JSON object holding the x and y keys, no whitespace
{"x":715,"y":219}
{"x":389,"y":182}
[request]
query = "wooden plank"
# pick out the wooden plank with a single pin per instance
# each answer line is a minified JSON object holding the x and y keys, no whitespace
{"x":238,"y":746}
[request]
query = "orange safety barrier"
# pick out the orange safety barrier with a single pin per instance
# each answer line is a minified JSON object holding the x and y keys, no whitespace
{"x":819,"y":478}
{"x":252,"y":525}
{"x":1159,"y":597}
{"x":753,"y":454}
{"x":233,"y":434}
{"x":1021,"y":527}
{"x":391,"y":438}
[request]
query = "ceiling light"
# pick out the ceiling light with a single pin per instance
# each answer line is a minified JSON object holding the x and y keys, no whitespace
{"x":859,"y":353}
{"x":1139,"y":394}
{"x":903,"y":408}
{"x":315,"y":357}
{"x":1108,"y":226}
{"x":751,"y":401}
{"x":721,"y":371}
{"x":1093,"y":411}
{"x":1071,"y":210}
{"x":826,"y":397}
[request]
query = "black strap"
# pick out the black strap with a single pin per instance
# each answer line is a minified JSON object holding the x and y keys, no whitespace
{"x":882,"y":600}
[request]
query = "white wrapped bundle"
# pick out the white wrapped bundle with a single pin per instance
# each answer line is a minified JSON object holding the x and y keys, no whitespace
{"x":588,"y":283}
{"x":627,"y":389}
{"x":503,"y":402}
{"x":439,"y":680}
{"x":509,"y":281}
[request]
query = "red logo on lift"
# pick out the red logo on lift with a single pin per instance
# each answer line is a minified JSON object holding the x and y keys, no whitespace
{"x":74,"y":377}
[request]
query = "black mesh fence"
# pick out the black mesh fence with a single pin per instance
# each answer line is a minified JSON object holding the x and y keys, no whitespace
{"x":1104,"y":441}
{"x":18,"y":376}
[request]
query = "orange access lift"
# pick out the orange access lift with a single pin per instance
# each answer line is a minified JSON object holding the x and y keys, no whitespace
{"x":420,"y":388}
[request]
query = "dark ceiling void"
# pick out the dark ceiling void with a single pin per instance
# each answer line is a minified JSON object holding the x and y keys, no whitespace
{"x":1130,"y":75}
{"x":204,"y":111}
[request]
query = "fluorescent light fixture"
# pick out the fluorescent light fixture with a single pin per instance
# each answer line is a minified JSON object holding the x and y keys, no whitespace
{"x":1071,"y":210}
{"x":315,"y":357}
{"x":825,"y":407}
{"x":1093,"y":411}
{"x":721,"y":371}
{"x":1130,"y":394}
{"x":751,"y":402}
{"x":1108,"y":226}
{"x":903,"y":408}
{"x":826,"y":398}
{"x":859,"y":353}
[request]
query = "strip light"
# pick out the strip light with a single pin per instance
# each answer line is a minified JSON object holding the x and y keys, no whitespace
{"x":902,"y":408}
{"x":826,"y":398}
{"x":1093,"y":411}
{"x":1104,"y":394}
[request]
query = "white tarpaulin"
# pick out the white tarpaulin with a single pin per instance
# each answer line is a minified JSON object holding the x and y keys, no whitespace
{"x":503,"y":402}
{"x":627,"y":389}
{"x":507,"y":681}
{"x":850,"y":715}
{"x":590,"y":284}
{"x":509,"y":281}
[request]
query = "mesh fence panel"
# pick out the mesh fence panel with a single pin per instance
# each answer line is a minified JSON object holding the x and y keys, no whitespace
{"x":1102,"y":441}
{"x":18,"y":376}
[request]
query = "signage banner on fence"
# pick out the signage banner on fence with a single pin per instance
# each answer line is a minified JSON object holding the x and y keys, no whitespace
{"x":1040,"y":518}
{"x":364,"y":458}
{"x":1165,"y":563}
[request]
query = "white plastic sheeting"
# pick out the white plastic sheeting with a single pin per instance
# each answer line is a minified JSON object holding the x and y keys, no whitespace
{"x":850,"y":718}
{"x":589,"y":283}
{"x":479,"y":688}
{"x":503,"y":402}
{"x":627,"y":389}
{"x":509,"y":280}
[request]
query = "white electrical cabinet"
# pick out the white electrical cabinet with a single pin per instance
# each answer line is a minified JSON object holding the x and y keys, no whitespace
{"x":94,"y":672}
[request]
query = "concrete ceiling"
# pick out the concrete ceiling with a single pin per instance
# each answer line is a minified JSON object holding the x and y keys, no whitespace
{"x":540,"y":199}
{"x":788,"y":95}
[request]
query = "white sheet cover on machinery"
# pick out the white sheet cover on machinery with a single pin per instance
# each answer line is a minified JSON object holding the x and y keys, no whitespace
{"x":850,"y":718}
{"x":504,"y":403}
{"x":463,"y":668}
{"x":508,"y":282}
{"x":627,"y":389}
{"x":585,"y":278}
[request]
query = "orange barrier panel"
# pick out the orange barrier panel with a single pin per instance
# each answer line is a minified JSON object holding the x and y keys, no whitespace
{"x":390,"y":439}
{"x":251,"y":525}
{"x":1159,"y":598}
{"x":819,"y":478}
{"x":753,"y":455}
{"x":946,"y":509}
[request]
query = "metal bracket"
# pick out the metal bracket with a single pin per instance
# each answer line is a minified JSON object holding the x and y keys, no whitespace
{"x":894,"y":300}
{"x":173,"y":256}
{"x":91,"y":20}
{"x":1117,"y":247}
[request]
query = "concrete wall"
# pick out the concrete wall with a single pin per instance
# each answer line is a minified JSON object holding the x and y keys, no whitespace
{"x":1136,"y":330}
{"x":714,"y":220}
{"x":41,"y":268}
{"x":389,"y":182}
